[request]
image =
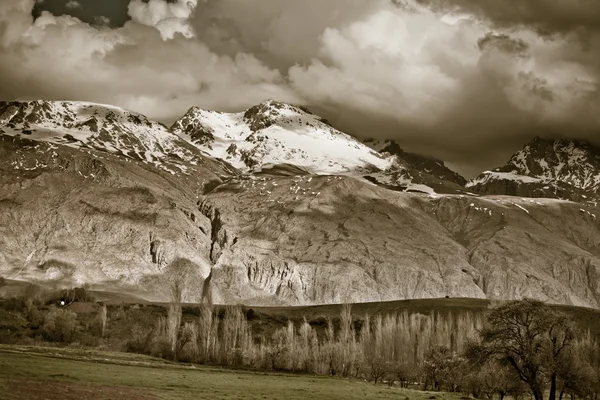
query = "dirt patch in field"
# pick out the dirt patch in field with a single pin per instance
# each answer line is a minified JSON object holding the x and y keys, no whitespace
{"x":53,"y":390}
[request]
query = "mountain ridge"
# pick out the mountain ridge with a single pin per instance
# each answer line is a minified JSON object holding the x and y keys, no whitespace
{"x":120,"y":214}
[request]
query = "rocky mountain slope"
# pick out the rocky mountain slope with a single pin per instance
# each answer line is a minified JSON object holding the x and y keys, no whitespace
{"x":567,"y":169}
{"x":110,"y":201}
{"x":307,"y":239}
{"x":421,"y":169}
{"x":129,"y":206}
{"x":413,"y":172}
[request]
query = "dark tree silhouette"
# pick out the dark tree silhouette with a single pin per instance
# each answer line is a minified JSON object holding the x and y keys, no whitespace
{"x":531,"y":338}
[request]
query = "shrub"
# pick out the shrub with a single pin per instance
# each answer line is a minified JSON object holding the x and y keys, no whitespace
{"x":141,"y":339}
{"x":443,"y":368}
{"x":78,"y":294}
{"x":35,"y":317}
{"x":60,"y":325}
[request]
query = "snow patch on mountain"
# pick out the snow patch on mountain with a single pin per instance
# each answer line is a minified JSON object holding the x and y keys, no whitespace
{"x":488,"y":176}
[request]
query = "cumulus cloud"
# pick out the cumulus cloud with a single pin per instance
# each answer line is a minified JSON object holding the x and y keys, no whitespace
{"x":279,"y":32}
{"x":169,"y":18}
{"x":102,"y":20}
{"x":463,"y":80}
{"x":73,"y":4}
{"x":133,"y":66}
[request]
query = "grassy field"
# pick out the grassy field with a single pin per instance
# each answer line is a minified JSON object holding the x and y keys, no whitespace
{"x":37,"y":373}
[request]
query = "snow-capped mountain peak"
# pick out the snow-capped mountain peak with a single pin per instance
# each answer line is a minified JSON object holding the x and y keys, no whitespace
{"x":573,"y":162}
{"x":100,"y":127}
{"x":274,"y":132}
{"x":560,"y":168}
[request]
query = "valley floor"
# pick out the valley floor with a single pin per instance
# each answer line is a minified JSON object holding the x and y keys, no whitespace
{"x":37,"y":373}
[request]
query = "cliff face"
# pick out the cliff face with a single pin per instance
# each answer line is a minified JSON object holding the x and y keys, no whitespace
{"x":539,"y":248}
{"x":330,"y":239}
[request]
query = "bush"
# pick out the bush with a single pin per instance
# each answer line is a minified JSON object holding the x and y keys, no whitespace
{"x":14,"y":304}
{"x":141,"y":339}
{"x":35,"y":317}
{"x":60,"y":325}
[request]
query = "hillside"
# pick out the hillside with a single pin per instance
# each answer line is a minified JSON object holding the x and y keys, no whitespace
{"x":330,"y":239}
{"x":115,"y":204}
{"x":105,"y":210}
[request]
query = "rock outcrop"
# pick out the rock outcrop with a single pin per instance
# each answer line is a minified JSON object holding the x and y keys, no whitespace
{"x":418,"y":169}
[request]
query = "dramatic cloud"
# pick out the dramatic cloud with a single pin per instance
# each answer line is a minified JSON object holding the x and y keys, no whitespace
{"x":468,"y":81}
{"x":547,"y":17}
{"x":169,"y":18}
{"x":136,"y":66}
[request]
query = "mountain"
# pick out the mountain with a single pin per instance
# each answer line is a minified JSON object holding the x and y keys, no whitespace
{"x":128,"y":205}
{"x":561,"y":168}
{"x":423,"y":168}
{"x":95,"y":194}
{"x":275,"y":133}
{"x":414,"y":172}
{"x":90,"y":126}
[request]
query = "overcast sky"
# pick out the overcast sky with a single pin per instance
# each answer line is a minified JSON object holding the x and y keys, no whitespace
{"x":467,"y":81}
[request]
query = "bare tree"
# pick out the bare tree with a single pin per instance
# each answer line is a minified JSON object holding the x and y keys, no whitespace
{"x":102,"y":316}
{"x":331,"y":352}
{"x":376,"y":368}
{"x":560,"y":336}
{"x":443,"y":367}
{"x":180,"y":274}
{"x":206,"y":334}
{"x":306,"y":332}
{"x":346,"y":340}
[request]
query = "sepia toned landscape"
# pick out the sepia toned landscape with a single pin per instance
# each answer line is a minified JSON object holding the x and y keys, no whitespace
{"x":268,"y":199}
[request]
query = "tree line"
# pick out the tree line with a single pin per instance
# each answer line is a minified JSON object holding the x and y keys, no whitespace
{"x":519,"y":348}
{"x":516,"y":349}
